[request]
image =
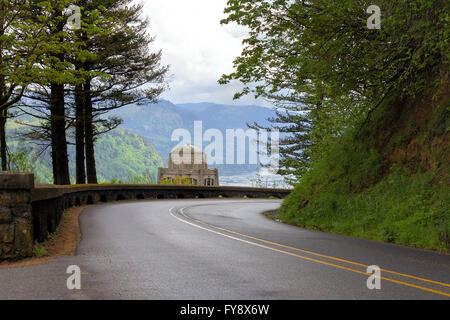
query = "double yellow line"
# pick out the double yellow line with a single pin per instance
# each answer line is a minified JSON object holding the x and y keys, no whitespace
{"x":212,"y":228}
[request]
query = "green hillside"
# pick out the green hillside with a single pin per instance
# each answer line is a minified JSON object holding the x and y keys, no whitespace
{"x":126,"y":156}
{"x":120,"y":155}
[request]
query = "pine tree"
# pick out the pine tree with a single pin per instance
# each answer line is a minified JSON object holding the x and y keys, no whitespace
{"x":22,"y":45}
{"x":125,"y":72}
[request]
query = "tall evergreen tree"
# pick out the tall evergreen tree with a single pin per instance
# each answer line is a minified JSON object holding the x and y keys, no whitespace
{"x":50,"y":91}
{"x":22,"y":45}
{"x":60,"y":158}
{"x":110,"y":66}
{"x":122,"y":71}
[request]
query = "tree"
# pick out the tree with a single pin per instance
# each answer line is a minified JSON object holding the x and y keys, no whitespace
{"x":295,"y":142}
{"x":318,"y":59}
{"x":109,"y":66}
{"x":49,"y":88}
{"x":50,"y":95}
{"x":60,"y":158}
{"x":122,"y":71}
{"x":21,"y":46}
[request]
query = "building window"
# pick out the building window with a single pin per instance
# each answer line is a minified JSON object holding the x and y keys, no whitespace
{"x":209,"y":182}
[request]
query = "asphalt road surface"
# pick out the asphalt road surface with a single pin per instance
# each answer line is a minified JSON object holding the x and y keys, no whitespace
{"x":223,"y":249}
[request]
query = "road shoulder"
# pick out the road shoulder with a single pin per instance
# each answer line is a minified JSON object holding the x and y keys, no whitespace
{"x":63,"y":242}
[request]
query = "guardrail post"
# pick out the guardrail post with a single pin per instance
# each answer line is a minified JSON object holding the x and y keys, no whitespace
{"x":16,"y":240}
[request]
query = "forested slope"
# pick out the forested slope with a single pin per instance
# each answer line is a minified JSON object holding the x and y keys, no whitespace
{"x":388,"y":181}
{"x":121,"y":156}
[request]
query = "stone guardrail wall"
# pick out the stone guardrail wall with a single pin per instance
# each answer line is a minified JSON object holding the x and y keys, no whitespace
{"x":30,"y":213}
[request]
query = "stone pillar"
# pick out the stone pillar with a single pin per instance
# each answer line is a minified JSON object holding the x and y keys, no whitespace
{"x":16,"y":240}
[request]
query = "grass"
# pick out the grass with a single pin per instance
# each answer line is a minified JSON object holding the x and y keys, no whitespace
{"x":270,"y":216}
{"x":39,"y":250}
{"x":401,"y":209}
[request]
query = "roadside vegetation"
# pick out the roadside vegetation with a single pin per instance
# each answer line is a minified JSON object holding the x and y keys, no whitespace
{"x":39,"y":250}
{"x":364,"y":112}
{"x":177,"y":181}
{"x":386,"y":195}
{"x":64,"y":241}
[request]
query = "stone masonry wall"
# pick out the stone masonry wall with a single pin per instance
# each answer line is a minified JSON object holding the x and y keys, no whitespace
{"x":16,"y":239}
{"x":29,"y":213}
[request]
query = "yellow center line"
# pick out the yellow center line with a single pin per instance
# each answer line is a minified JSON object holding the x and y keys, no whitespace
{"x":315,"y":260}
{"x":313,"y":253}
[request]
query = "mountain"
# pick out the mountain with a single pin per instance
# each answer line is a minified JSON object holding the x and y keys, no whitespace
{"x":157,"y":122}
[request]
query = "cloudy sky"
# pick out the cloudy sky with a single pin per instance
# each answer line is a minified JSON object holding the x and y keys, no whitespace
{"x":197,"y":48}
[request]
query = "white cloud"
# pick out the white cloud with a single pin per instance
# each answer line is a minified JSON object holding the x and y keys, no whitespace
{"x":198,"y":49}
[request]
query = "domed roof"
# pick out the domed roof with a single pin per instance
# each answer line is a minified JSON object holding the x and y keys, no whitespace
{"x":187,"y":157}
{"x":187,"y":148}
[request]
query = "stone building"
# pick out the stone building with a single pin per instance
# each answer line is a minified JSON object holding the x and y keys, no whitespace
{"x":189,"y":163}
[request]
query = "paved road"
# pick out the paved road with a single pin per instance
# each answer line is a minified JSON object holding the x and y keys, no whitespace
{"x":223,"y":249}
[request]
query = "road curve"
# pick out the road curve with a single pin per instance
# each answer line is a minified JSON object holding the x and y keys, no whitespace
{"x":223,"y":249}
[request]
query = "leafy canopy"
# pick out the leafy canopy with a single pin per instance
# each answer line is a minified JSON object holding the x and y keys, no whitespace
{"x":319,"y":60}
{"x":311,"y":51}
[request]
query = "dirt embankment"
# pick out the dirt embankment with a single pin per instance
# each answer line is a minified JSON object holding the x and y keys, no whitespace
{"x":62,"y":243}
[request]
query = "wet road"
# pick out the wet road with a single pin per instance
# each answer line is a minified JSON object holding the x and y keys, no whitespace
{"x":223,"y":249}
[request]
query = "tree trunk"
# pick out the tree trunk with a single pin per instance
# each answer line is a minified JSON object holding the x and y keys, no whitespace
{"x":60,"y":159}
{"x":3,"y":146}
{"x":89,"y":135}
{"x":61,"y":175}
{"x":79,"y":135}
